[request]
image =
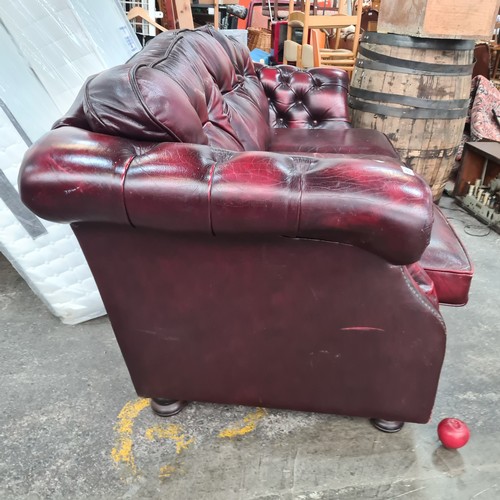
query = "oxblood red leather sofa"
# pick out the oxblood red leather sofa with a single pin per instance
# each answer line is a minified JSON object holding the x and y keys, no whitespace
{"x":249,"y":245}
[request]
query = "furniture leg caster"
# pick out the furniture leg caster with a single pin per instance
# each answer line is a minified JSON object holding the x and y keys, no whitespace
{"x":387,"y":425}
{"x":167,"y":407}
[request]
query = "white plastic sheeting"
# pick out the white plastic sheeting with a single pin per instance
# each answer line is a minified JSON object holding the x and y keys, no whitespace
{"x":65,"y":41}
{"x":49,"y":47}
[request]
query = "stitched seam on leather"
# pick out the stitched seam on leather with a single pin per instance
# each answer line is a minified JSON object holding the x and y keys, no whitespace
{"x":178,"y":38}
{"x":423,"y":301}
{"x":288,"y":85}
{"x":124,"y":178}
{"x":337,"y":83}
{"x":272,"y":108}
{"x":306,"y":110}
{"x":299,"y":211}
{"x":232,"y":135}
{"x":137,"y":92}
{"x":466,"y":255}
{"x":174,"y":43}
{"x":89,"y":105}
{"x":145,"y":150}
{"x":428,"y":229}
{"x":431,"y":223}
{"x":209,"y":194}
{"x":296,"y":103}
{"x":465,"y":272}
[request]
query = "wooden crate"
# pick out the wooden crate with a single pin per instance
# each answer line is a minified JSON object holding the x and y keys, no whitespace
{"x":439,"y":18}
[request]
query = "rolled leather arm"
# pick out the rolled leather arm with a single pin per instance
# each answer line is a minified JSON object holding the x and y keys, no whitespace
{"x":72,"y":175}
{"x":314,"y":98}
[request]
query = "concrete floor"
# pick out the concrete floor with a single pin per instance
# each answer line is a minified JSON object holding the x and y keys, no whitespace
{"x":72,"y":427}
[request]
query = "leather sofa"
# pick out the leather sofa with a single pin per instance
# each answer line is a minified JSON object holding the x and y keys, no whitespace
{"x":249,"y":245}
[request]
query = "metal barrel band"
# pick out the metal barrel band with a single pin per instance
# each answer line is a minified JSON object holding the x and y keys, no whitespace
{"x":415,"y":102}
{"x":412,"y":42}
{"x":432,"y":154}
{"x":390,"y":63}
{"x":377,"y":66}
{"x":410,"y":113}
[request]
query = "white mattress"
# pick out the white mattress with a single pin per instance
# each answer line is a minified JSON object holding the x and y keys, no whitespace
{"x":52,"y":263}
{"x":43,"y":68}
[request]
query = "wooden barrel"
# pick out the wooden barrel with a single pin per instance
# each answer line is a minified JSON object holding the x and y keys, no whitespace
{"x":416,"y":91}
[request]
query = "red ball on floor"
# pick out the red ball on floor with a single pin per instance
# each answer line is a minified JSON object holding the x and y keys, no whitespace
{"x":453,"y":433}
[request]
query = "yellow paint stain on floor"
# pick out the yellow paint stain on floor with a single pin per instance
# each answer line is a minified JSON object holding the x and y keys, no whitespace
{"x":122,"y":452}
{"x":249,"y":424}
{"x":172,"y":432}
{"x":166,"y":471}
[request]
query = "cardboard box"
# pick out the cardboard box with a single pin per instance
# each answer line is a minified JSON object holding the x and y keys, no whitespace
{"x":461,"y":19}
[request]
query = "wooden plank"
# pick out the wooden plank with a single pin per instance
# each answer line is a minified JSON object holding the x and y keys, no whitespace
{"x":460,"y":19}
{"x":401,"y":17}
{"x":331,"y":21}
{"x":490,"y":150}
{"x":184,"y":14}
{"x":216,"y":14}
{"x":167,"y":7}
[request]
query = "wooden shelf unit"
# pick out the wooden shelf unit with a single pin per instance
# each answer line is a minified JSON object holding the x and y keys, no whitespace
{"x":479,"y":166}
{"x":480,"y":160}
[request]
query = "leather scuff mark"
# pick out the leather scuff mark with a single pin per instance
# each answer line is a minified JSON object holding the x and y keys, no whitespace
{"x":361,"y":329}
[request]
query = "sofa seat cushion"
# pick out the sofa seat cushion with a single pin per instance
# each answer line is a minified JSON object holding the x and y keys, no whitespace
{"x":341,"y":140}
{"x":446,"y":262}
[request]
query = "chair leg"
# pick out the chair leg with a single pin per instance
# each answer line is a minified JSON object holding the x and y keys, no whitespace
{"x":167,"y":407}
{"x":387,"y":425}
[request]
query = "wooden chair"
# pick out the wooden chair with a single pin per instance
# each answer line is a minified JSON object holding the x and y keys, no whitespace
{"x":306,"y":21}
{"x":341,"y":58}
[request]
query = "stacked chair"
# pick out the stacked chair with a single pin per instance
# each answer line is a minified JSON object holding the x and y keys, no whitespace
{"x":311,"y":52}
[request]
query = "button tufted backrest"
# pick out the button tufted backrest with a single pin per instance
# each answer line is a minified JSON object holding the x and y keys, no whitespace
{"x":316,"y":98}
{"x":187,"y":86}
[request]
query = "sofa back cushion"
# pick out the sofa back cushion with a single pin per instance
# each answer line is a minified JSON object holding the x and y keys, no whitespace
{"x":188,"y":86}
